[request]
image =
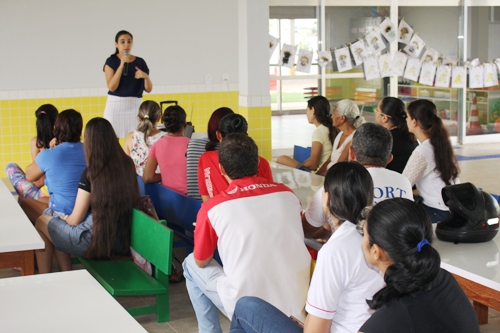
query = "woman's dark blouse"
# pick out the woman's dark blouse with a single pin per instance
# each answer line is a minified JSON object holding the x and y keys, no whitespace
{"x":401,"y":150}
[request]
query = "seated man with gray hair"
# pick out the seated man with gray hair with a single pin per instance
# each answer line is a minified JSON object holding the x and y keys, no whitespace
{"x":371,"y":146}
{"x":255,"y":224}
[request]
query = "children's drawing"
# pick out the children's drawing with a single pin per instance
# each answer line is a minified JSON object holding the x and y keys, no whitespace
{"x":358,"y":52}
{"x":412,"y":69}
{"x":415,"y":46}
{"x":287,"y":57}
{"x":343,"y":59}
{"x":375,"y":42}
{"x":370,"y":68}
{"x":304,"y":61}
{"x":324,"y":57}
{"x":490,"y":75}
{"x":405,"y":32}
{"x":443,"y":74}
{"x":427,"y":73}
{"x":384,"y":64}
{"x":399,"y":63}
{"x":458,"y":77}
{"x":388,"y":30}
{"x":476,"y":77}
{"x":273,"y":43}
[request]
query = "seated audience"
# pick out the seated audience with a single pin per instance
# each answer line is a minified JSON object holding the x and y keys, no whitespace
{"x":318,"y":114}
{"x":419,"y":296}
{"x":169,"y":153}
{"x":45,"y":119}
{"x":62,"y":167}
{"x":262,"y":250}
{"x":371,"y":146}
{"x":346,"y":117}
{"x":197,"y":147}
{"x":342,"y":280}
{"x":99,"y":225}
{"x":432,"y":165}
{"x":210,"y":180}
{"x":138,"y":142}
{"x":391,"y":114}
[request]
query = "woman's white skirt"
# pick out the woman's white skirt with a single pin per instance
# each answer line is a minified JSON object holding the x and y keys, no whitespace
{"x":122,"y":113}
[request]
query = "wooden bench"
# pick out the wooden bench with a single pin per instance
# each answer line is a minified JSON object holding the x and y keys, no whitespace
{"x":153,"y":241}
{"x":365,"y":97}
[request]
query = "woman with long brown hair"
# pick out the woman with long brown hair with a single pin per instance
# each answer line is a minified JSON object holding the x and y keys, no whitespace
{"x":432,"y":165}
{"x":99,"y":226}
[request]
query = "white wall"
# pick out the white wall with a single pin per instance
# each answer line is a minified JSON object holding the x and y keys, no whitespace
{"x":64,"y":43}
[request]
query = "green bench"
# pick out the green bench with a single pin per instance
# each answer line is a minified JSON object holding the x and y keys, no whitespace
{"x":153,"y":241}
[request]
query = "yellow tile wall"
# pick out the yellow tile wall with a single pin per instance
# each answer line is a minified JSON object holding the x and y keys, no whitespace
{"x":259,"y":128}
{"x":17,"y":119}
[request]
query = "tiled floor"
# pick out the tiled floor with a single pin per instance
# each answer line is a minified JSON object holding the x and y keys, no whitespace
{"x":287,"y":131}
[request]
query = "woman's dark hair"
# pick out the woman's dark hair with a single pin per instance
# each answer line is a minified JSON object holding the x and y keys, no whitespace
{"x":114,"y":191}
{"x":424,"y":111}
{"x":68,"y":126}
{"x":350,"y":188}
{"x":174,"y":119}
{"x":322,"y":113}
{"x":213,"y":126}
{"x":149,"y":112}
{"x":45,"y":119}
{"x":233,"y":123}
{"x":118,"y":34}
{"x":395,"y":109}
{"x":397,"y":226}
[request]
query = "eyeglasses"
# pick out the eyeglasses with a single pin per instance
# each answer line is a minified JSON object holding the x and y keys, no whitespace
{"x":377,"y":110}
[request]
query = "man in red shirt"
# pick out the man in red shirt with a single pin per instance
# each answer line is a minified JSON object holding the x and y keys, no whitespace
{"x":256,"y":226}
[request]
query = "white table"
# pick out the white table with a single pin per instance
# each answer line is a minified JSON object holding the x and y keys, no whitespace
{"x":477,"y":269}
{"x":18,"y":236}
{"x":61,"y":302}
{"x":304,"y":184}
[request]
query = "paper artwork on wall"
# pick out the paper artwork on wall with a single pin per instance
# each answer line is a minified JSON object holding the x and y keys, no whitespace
{"x":375,"y":42}
{"x":405,"y":32}
{"x":475,"y":62}
{"x":388,"y":30}
{"x":490,"y":75}
{"x":450,"y":61}
{"x":497,"y":62}
{"x":343,"y":58}
{"x":430,"y":55}
{"x":384,"y":64}
{"x":324,"y":57}
{"x":458,"y":77}
{"x":304,"y":61}
{"x":358,"y":52}
{"x":476,"y":77}
{"x":287,"y":57}
{"x":443,"y":74}
{"x":415,"y":46}
{"x":370,"y":68}
{"x":427,"y":73}
{"x":412,"y":69}
{"x":273,"y":43}
{"x":399,"y":63}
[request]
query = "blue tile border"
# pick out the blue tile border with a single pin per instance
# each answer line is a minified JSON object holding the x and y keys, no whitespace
{"x":481,"y":157}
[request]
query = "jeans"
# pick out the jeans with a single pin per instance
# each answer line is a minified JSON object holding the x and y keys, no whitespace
{"x":254,"y":315}
{"x":201,"y":284}
{"x":436,"y":215}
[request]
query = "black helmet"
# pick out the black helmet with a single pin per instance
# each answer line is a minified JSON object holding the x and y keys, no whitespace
{"x":473,"y":218}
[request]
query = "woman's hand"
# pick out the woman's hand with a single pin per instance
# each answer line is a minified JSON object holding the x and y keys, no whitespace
{"x":140,"y":74}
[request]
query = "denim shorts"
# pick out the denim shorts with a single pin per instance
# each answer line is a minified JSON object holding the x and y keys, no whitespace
{"x":70,"y":239}
{"x":51,"y":212}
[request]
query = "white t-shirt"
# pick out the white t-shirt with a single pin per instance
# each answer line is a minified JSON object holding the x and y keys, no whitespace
{"x":342,"y":282}
{"x":322,"y":135}
{"x":387,"y":184}
{"x":257,"y":229}
{"x":337,"y":150}
{"x":421,"y":171}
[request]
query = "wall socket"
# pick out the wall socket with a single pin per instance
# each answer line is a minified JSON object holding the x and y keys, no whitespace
{"x":225,"y":77}
{"x":208,"y":78}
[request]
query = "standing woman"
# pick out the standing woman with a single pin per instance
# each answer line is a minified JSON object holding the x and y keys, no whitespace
{"x":127,"y":76}
{"x":432,"y":165}
{"x":99,"y":226}
{"x":45,"y":118}
{"x":138,"y":142}
{"x":419,"y":296}
{"x":391,"y":114}
{"x":347,"y":117}
{"x":318,"y":114}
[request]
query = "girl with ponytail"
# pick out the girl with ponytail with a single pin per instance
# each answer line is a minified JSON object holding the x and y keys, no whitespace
{"x":432,"y":165}
{"x":45,"y":118}
{"x":138,"y":142}
{"x":391,"y":114}
{"x":318,"y":114}
{"x":419,"y":296}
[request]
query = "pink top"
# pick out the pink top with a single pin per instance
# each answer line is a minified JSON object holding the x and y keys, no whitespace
{"x":170,"y":153}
